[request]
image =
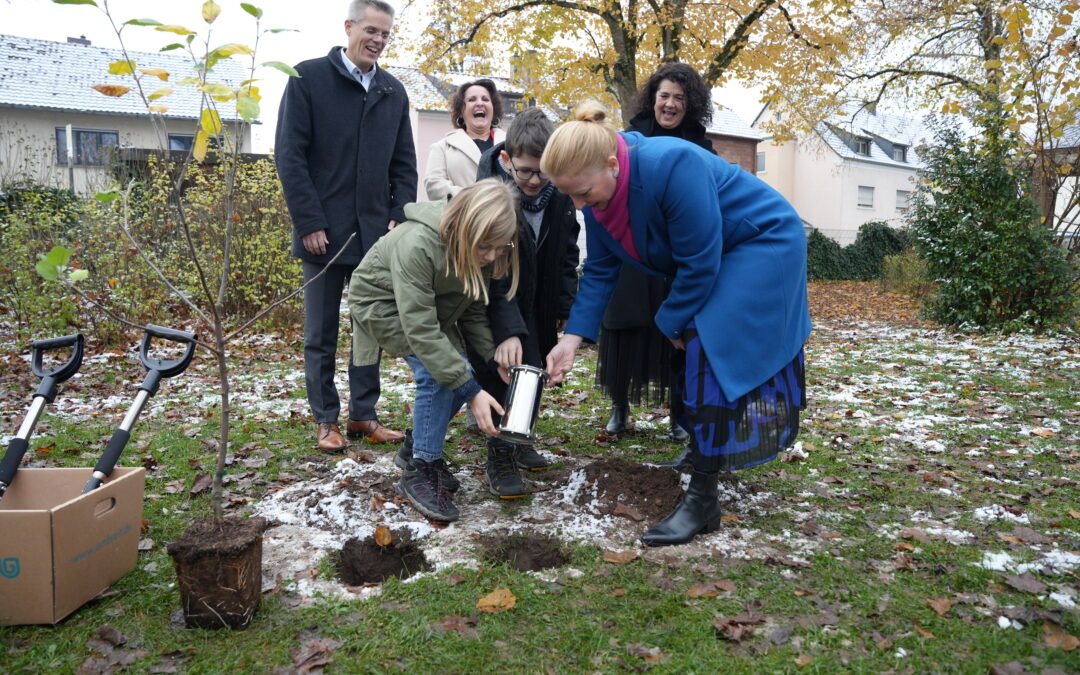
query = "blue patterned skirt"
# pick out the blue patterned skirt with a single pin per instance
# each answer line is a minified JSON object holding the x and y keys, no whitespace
{"x":727,"y":435}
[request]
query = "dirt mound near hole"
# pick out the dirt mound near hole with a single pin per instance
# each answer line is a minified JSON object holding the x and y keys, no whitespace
{"x":631,"y":490}
{"x":365,"y":562}
{"x":524,"y":552}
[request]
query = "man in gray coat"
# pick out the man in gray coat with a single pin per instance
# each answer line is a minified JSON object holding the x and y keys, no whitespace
{"x":345,"y":156}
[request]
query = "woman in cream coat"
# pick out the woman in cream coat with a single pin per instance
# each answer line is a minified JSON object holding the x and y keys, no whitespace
{"x":475,"y":109}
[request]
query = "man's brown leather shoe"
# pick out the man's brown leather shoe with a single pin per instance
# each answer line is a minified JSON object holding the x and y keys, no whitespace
{"x":330,"y":439}
{"x":373,"y":431}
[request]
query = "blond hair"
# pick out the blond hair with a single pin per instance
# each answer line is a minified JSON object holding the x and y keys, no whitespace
{"x":484,"y":213}
{"x":582,"y":144}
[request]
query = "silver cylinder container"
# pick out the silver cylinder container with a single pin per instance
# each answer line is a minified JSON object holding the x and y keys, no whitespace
{"x":522,"y":404}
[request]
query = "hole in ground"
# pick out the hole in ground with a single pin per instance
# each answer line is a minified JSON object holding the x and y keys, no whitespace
{"x":631,"y":490}
{"x":524,"y":552}
{"x":362,"y":561}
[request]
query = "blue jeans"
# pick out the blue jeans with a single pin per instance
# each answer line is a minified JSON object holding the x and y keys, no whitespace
{"x":433,"y":408}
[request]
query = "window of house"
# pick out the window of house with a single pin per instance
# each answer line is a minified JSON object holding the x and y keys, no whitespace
{"x":903,"y":198}
{"x":761,"y":162}
{"x":92,"y":146}
{"x":862,"y":145}
{"x":181,"y":141}
{"x":866,"y":196}
{"x":899,"y":153}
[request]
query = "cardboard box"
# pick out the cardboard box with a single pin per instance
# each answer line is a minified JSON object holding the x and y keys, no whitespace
{"x":60,"y":548}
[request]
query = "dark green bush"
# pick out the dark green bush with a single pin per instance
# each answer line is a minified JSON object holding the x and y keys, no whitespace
{"x":859,"y":261}
{"x":977,"y":229}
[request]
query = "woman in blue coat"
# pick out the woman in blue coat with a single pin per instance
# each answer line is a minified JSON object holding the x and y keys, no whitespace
{"x":735,"y":253}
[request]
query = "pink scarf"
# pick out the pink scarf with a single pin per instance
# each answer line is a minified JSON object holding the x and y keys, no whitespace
{"x":616,"y":217}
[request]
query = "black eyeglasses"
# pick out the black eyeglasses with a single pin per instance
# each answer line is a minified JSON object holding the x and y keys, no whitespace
{"x":527,"y":174}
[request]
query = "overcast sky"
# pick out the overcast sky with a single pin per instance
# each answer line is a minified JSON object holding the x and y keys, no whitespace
{"x":319,"y":24}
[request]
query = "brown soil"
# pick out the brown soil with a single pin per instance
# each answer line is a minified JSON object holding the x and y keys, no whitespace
{"x":365,"y":562}
{"x":219,"y":571}
{"x":524,"y":552}
{"x":632,"y":490}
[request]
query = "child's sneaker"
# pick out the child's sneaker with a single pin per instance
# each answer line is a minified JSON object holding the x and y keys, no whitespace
{"x":423,"y":486}
{"x":404,"y":456}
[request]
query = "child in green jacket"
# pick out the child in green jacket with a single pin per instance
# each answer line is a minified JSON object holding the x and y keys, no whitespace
{"x":421,"y":293}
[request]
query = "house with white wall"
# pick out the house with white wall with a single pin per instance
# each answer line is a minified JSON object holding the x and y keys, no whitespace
{"x":857,"y":166}
{"x":46,"y":86}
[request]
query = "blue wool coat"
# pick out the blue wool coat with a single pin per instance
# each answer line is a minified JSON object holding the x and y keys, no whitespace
{"x":733,"y":248}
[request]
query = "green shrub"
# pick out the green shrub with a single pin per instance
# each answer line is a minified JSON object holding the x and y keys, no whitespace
{"x":33,"y":219}
{"x":859,"y":261}
{"x":905,"y":273}
{"x":977,"y":229}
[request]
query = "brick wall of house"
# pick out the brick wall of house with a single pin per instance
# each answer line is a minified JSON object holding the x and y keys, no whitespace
{"x":741,"y":151}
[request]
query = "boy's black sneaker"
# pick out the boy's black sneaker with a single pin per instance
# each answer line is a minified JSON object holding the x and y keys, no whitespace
{"x":404,"y":457}
{"x":502,"y":472}
{"x":529,"y":459}
{"x":422,"y":485}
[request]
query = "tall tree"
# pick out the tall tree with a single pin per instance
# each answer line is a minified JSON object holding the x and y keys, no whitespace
{"x":566,"y":50}
{"x":1002,"y":64}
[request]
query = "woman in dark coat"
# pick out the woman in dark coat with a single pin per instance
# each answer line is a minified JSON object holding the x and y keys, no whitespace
{"x":635,"y":361}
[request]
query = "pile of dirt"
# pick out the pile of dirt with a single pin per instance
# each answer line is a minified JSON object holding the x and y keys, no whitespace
{"x":524,"y":552}
{"x":631,"y":490}
{"x":365,"y":561}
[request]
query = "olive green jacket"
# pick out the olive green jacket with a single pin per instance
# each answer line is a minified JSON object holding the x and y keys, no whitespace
{"x":402,"y":298}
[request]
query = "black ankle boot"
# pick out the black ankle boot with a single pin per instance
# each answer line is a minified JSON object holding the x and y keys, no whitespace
{"x":620,"y":417}
{"x":697,"y":513}
{"x":403,"y":459}
{"x":680,"y":463}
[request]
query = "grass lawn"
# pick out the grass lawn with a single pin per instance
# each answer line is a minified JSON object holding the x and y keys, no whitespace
{"x":927,"y":521}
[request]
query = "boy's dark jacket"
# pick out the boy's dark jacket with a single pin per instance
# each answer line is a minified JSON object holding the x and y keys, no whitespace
{"x":548,"y":278}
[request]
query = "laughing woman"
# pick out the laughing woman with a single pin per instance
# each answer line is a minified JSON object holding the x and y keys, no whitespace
{"x":475,"y":109}
{"x":735,"y":252}
{"x":421,"y":292}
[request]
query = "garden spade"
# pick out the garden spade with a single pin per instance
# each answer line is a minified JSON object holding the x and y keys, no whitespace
{"x":155,"y":370}
{"x":50,"y":381}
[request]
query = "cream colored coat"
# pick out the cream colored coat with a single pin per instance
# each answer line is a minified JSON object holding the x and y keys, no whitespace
{"x":452,"y":163}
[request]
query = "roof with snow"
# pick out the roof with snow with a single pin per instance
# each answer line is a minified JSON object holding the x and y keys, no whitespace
{"x":725,"y":122}
{"x":854,"y":128}
{"x":432,"y":92}
{"x":46,"y":75}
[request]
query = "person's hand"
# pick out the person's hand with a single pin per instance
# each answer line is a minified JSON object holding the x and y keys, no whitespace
{"x":481,"y":406}
{"x":392,"y":224}
{"x":316,"y":242}
{"x":509,"y":352}
{"x":679,"y":344}
{"x":561,"y":358}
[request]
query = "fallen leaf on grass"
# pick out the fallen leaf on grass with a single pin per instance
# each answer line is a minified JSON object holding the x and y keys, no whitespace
{"x":647,"y":653}
{"x":1055,"y":637}
{"x":620,"y":557}
{"x":465,"y":627}
{"x":1026,"y":582}
{"x":923,"y":632}
{"x":203,"y":482}
{"x":313,"y":654}
{"x":1030,"y":536}
{"x":1074,"y":514}
{"x":940,"y":605}
{"x":781,"y":635}
{"x":916,"y":534}
{"x":802,"y":660}
{"x":499,"y":600}
{"x":1011,"y":668}
{"x":619,"y":592}
{"x":881,"y":642}
{"x":454,"y":579}
{"x":700,"y":590}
